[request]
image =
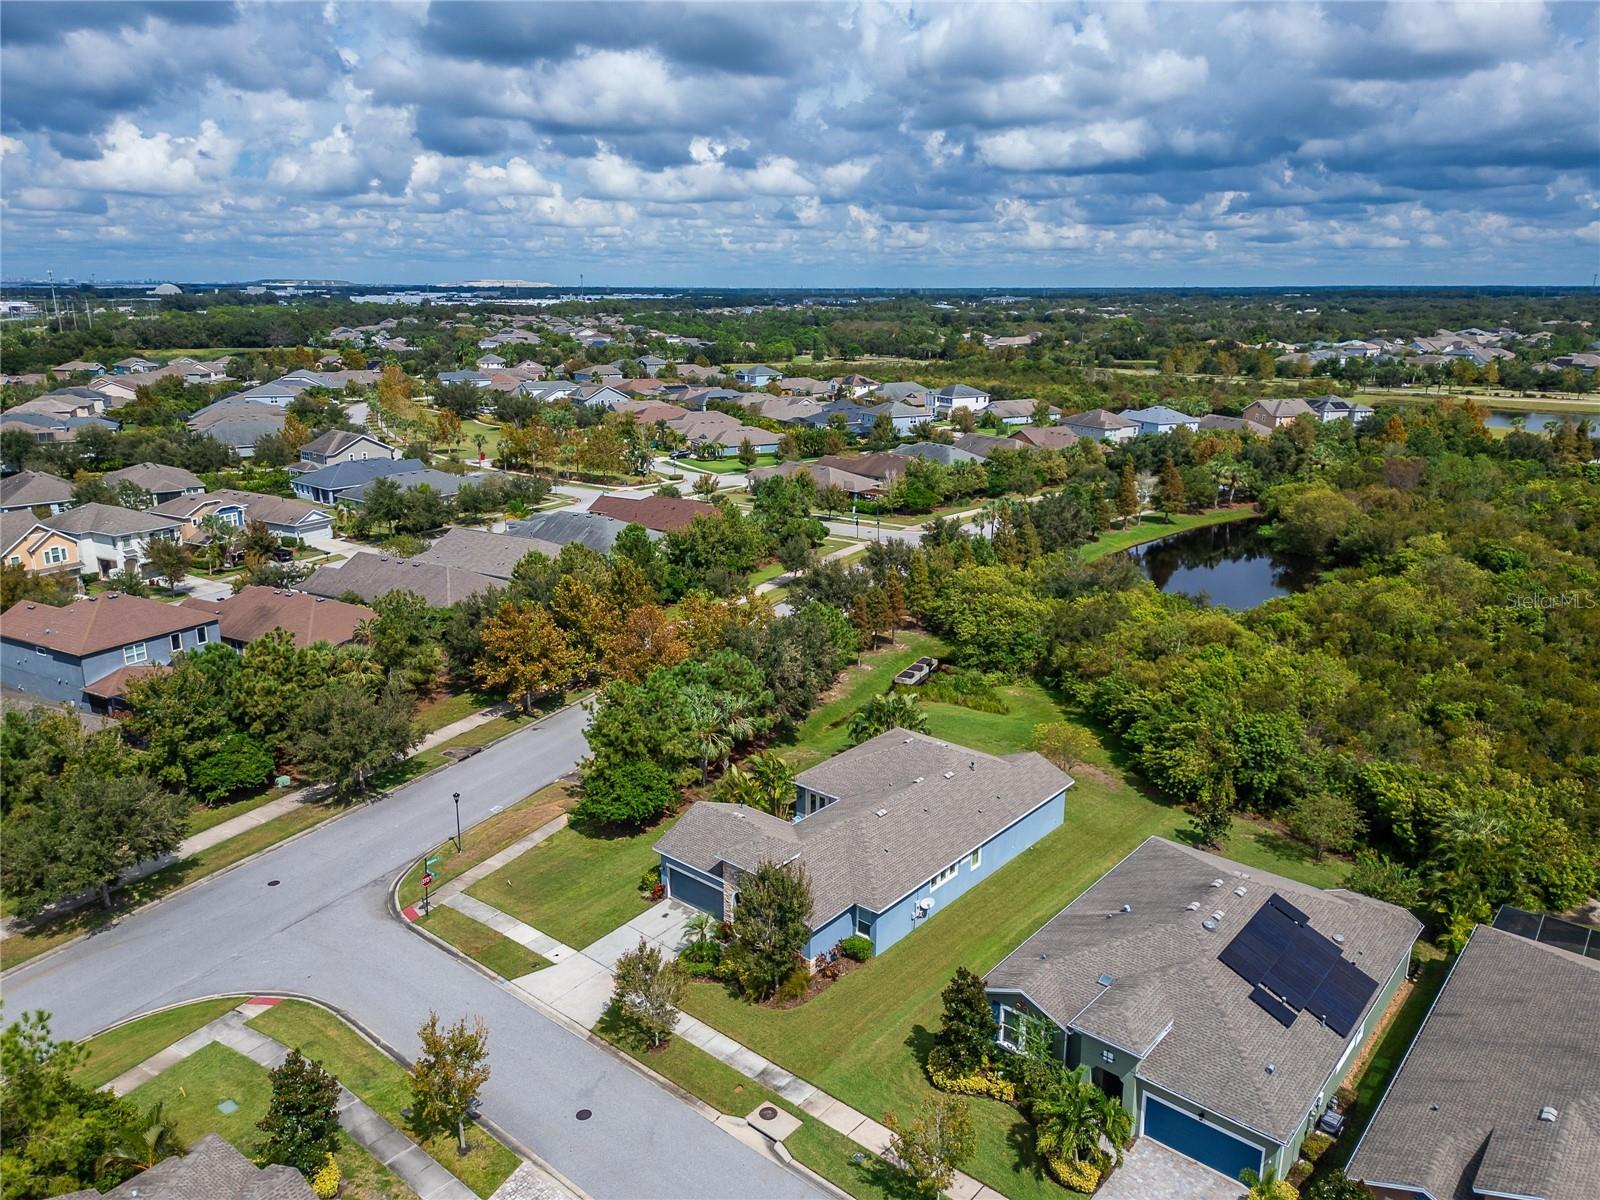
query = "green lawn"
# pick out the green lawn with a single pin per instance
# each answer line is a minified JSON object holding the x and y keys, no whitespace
{"x":126,"y":1046}
{"x":860,"y":1040}
{"x":405,"y":771}
{"x":826,"y":731}
{"x":997,"y":733}
{"x":190,"y":1092}
{"x":499,"y":953}
{"x":207,"y":816}
{"x":487,"y":837}
{"x":826,"y":1151}
{"x":383,"y":1083}
{"x":728,"y":466}
{"x":763,"y":574}
{"x":452,"y":707}
{"x":575,"y":886}
{"x":1152,"y":528}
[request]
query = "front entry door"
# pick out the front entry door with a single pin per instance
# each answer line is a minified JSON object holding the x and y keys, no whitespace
{"x":1108,"y":1082}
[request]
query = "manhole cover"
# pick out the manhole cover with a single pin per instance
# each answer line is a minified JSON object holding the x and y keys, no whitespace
{"x":768,"y":1113}
{"x":228,"y":1107}
{"x":584,"y":1114}
{"x":273,"y":882}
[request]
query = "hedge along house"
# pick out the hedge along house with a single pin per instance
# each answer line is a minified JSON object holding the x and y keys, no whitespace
{"x":888,"y":832}
{"x":1222,"y":1007}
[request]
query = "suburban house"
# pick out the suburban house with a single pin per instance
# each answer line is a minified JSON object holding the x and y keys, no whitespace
{"x":852,"y":386}
{"x":328,"y":485}
{"x":983,"y":444}
{"x":77,"y":367}
{"x":111,"y":538}
{"x":28,"y":490}
{"x":887,"y":832}
{"x":1159,"y":419}
{"x":883,"y":467}
{"x":937,"y":452}
{"x":57,"y":416}
{"x":757,"y":376}
{"x":443,"y":482}
{"x":904,"y":417}
{"x":609,"y":372}
{"x":133,"y":366}
{"x":245,"y":616}
{"x":27,"y":542}
{"x":1222,"y":1006}
{"x":1277,"y":412}
{"x":238,"y":424}
{"x":212,"y":1169}
{"x":495,"y":555}
{"x":1499,"y":1095}
{"x":1100,"y":425}
{"x":1018,"y":412}
{"x":841,"y":413}
{"x":1235,"y":425}
{"x":1046,"y":438}
{"x":489,"y":362}
{"x":664,"y":514}
{"x":652,"y":364}
{"x":1337,"y":408}
{"x":370,"y":575}
{"x":907,"y":392}
{"x":804,"y":385}
{"x":161,"y":481}
{"x":340,"y":445}
{"x":601,"y":395}
{"x":855,"y":486}
{"x":284,"y":518}
{"x":59,"y":654}
{"x":476,"y":379}
{"x":563,"y":526}
{"x":959,"y":395}
{"x":703,"y":430}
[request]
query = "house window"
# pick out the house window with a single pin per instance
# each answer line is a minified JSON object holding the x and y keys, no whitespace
{"x":975,"y":860}
{"x":176,"y":641}
{"x":53,"y":556}
{"x":1107,"y":1056}
{"x":1010,"y":1027}
{"x":15,"y":560}
{"x":945,"y":876}
{"x":863,"y":925}
{"x":200,"y":636}
{"x":40,"y":651}
{"x":135,"y":653}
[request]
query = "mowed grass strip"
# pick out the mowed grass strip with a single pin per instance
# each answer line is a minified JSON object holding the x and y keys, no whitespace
{"x":494,"y":950}
{"x":827,"y":730}
{"x":384,"y":1084}
{"x":1154,"y":528}
{"x":575,"y":886}
{"x":125,"y":1047}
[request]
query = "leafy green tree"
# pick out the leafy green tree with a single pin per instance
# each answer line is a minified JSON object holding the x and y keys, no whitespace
{"x":647,"y":991}
{"x":449,"y":1074}
{"x":344,"y":733}
{"x":526,"y":652}
{"x":1265,"y":1184}
{"x":302,"y":1121}
{"x":936,"y":1143}
{"x":169,"y":559}
{"x":993,"y":617}
{"x":1326,"y":821}
{"x":770,"y":927}
{"x":1127,"y":493}
{"x":404,"y":640}
{"x":892,"y":710}
{"x":966,"y":1036}
{"x":1063,"y":743}
{"x":634,"y":794}
{"x":85,"y":831}
{"x":384,"y":503}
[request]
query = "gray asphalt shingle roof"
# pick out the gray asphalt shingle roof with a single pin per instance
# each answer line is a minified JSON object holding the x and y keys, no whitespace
{"x":1172,"y":1003}
{"x":371,"y":575}
{"x":109,"y":519}
{"x":1514,"y":1030}
{"x":34,"y":487}
{"x":905,"y":807}
{"x":493,"y":554}
{"x":562,"y":526}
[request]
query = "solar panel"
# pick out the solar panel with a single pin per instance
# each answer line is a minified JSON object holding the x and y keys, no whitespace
{"x":1302,"y":967}
{"x":1258,"y":945}
{"x":1564,"y":934}
{"x":1288,"y":910}
{"x":1275,"y":1008}
{"x":1342,"y":996}
{"x":1517,"y":921}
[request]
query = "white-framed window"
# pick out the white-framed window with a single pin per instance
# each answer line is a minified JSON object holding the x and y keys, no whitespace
{"x":135,"y":653}
{"x":863,"y":925}
{"x":200,"y":636}
{"x":945,"y":876}
{"x":1107,"y":1056}
{"x":975,"y":859}
{"x":54,"y":556}
{"x":176,"y":641}
{"x":1010,"y":1027}
{"x":15,"y":560}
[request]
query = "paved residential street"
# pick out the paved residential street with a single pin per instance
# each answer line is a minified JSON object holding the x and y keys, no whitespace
{"x":311,"y":917}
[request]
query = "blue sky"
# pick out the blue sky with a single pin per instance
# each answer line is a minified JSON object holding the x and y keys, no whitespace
{"x":831,"y":144}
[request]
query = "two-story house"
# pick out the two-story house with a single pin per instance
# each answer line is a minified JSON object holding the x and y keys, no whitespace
{"x":27,"y":542}
{"x":110,"y":538}
{"x":339,"y":445}
{"x":161,"y":481}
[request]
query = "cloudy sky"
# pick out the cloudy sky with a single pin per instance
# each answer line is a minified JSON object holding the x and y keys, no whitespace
{"x":814,"y":144}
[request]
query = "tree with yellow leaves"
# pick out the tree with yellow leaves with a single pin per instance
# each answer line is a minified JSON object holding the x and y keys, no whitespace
{"x":526,"y":652}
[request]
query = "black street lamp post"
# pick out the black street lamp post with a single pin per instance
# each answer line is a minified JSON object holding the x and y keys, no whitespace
{"x":457,"y":798}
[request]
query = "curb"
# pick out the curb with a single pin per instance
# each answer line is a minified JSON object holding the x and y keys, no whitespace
{"x":249,"y":858}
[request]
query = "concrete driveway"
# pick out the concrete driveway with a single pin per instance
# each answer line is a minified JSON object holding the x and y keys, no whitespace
{"x":312,"y":917}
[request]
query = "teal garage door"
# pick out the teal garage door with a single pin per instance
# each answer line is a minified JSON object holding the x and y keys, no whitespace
{"x":1204,"y":1143}
{"x":692,"y":891}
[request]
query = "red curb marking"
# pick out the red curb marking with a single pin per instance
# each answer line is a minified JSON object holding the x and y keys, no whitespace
{"x":409,"y":913}
{"x":267,"y":1001}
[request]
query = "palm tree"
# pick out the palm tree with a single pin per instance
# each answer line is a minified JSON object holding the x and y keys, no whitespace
{"x":774,"y":779}
{"x":1114,"y":1121}
{"x":699,"y":928}
{"x":893,"y":710}
{"x":1065,"y":1120}
{"x":142,"y":1145}
{"x":220,"y":537}
{"x":1265,"y":1185}
{"x":478,"y":440}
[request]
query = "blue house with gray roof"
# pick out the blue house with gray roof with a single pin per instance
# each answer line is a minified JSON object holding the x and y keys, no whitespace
{"x":888,"y":832}
{"x":1159,"y":419}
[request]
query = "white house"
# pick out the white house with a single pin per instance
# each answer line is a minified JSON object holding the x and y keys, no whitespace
{"x":111,"y":538}
{"x":1099,"y":425}
{"x":758,"y":376}
{"x":959,"y":395}
{"x":1159,"y":419}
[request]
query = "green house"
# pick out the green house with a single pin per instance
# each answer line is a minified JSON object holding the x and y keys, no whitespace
{"x":1222,"y":1006}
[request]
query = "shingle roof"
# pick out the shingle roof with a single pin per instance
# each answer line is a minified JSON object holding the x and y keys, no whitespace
{"x":96,"y":622}
{"x":820,"y":475}
{"x":906,"y":806}
{"x":248,"y":614}
{"x":983,"y":445}
{"x":595,"y":530}
{"x":443,"y":482}
{"x":155,"y":477}
{"x":1172,"y":1003}
{"x":882,"y":467}
{"x":336,"y":476}
{"x":213,"y":1170}
{"x":332,"y":441}
{"x":371,"y":575}
{"x":1278,"y":409}
{"x":493,"y":554}
{"x":34,"y":487}
{"x":1049,"y":438}
{"x":1514,"y":1030}
{"x":1235,"y":424}
{"x":15,"y":526}
{"x":108,"y":518}
{"x":959,"y":391}
{"x":665,"y":514}
{"x":1098,"y":418}
{"x":1156,"y":414}
{"x":937,"y":452}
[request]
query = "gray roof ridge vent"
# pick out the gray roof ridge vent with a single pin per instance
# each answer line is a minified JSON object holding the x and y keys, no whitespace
{"x":1548,"y":1113}
{"x":882,"y":812}
{"x":1192,"y":906}
{"x":1216,"y":883}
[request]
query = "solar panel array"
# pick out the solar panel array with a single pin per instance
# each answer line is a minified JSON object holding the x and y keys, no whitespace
{"x":1293,"y":969}
{"x":1552,"y":931}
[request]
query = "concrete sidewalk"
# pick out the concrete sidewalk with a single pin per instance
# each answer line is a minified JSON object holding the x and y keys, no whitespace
{"x":464,"y":725}
{"x":420,"y":1172}
{"x":498,"y":859}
